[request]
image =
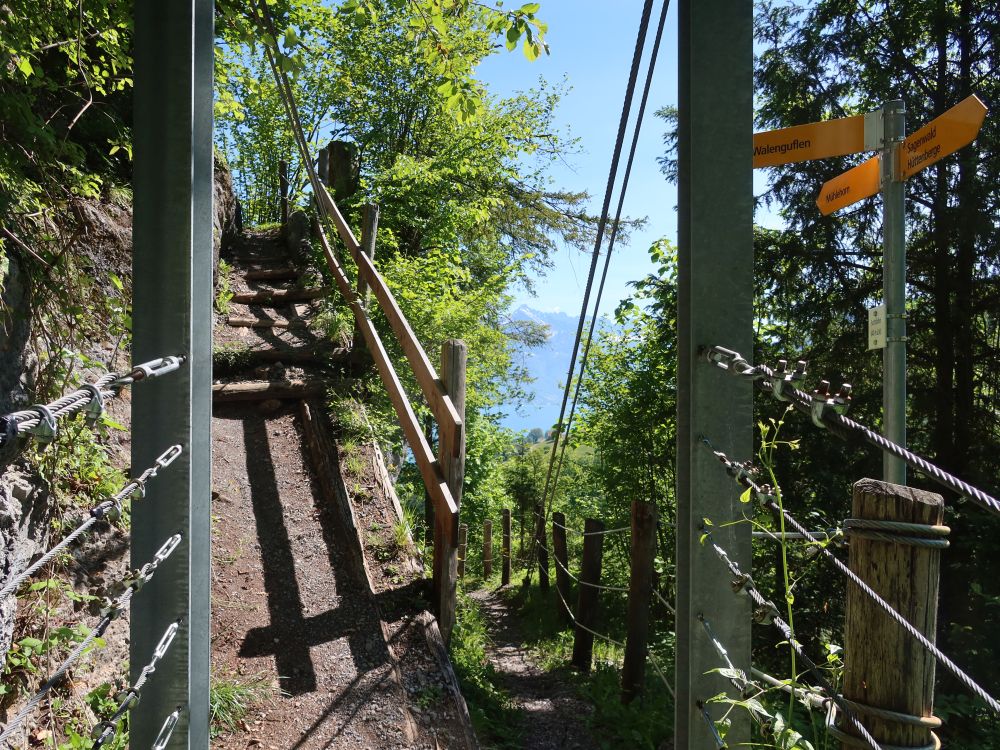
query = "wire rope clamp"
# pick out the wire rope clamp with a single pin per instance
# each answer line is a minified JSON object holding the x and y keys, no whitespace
{"x":740,"y":584}
{"x":765,"y":615}
{"x":47,"y":428}
{"x":155,"y":368}
{"x":783,"y":378}
{"x":823,"y":402}
{"x":92,"y":411}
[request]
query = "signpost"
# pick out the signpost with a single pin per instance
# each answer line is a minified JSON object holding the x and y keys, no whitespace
{"x":899,"y":158}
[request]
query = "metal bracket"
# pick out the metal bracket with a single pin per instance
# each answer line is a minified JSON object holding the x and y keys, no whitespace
{"x":93,"y":411}
{"x":874,"y":130}
{"x":47,"y":428}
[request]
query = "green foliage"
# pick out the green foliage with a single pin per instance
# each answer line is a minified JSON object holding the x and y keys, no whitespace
{"x":232,"y":699}
{"x":493,"y":713}
{"x":225,"y":293}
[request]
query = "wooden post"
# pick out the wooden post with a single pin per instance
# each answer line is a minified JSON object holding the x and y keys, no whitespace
{"x":587,"y":604}
{"x":561,"y":554}
{"x":640,"y":592}
{"x":283,"y":190}
{"x":323,"y":166}
{"x":463,"y":548}
{"x":453,"y":359}
{"x":428,"y":500}
{"x":884,"y":667}
{"x":487,"y":549}
{"x":505,"y":570}
{"x":541,"y":548}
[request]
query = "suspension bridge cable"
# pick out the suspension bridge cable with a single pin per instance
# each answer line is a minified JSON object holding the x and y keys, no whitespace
{"x":40,"y":419}
{"x":137,"y":485}
{"x":828,"y":412}
{"x":111,"y":612}
{"x":614,"y":234}
{"x":769,"y":612}
{"x":765,"y":496}
{"x":640,"y":43}
{"x":107,"y":729}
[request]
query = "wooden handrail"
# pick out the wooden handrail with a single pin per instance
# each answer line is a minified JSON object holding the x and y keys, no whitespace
{"x":430,"y":469}
{"x":427,"y":377}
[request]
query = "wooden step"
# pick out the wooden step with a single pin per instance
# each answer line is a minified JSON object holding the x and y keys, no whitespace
{"x":302,"y":355}
{"x":262,"y":274}
{"x":261,"y":390}
{"x":239,"y":321}
{"x":281,"y":296}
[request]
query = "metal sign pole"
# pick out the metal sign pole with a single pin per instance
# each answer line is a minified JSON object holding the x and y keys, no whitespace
{"x":172,"y":306}
{"x":894,"y":288}
{"x":715,"y":304}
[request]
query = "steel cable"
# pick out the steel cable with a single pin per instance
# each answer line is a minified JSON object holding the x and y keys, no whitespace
{"x":133,"y":583}
{"x":841,"y":425}
{"x":640,"y":43}
{"x":747,"y":585}
{"x":97,"y":513}
{"x":766,"y":499}
{"x":611,"y":241}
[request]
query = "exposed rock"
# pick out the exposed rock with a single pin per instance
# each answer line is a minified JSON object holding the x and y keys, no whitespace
{"x":226,"y":221}
{"x":24,"y":524}
{"x":297,"y":235}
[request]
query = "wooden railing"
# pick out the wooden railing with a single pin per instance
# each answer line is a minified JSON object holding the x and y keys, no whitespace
{"x":442,"y":479}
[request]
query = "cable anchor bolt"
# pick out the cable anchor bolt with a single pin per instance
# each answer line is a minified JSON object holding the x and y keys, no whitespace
{"x":765,"y":615}
{"x":783,"y":378}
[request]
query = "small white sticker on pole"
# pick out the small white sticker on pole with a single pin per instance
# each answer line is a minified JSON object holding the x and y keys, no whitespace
{"x":876,"y":327}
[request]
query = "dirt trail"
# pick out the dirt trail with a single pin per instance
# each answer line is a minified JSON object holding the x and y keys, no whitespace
{"x":292,"y":605}
{"x":554,"y":716}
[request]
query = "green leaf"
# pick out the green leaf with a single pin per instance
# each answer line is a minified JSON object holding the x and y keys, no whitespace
{"x":530,"y":8}
{"x":24,"y":65}
{"x":746,"y":496}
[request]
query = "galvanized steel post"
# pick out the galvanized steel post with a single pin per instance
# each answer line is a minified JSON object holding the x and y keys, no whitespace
{"x":894,"y":289}
{"x":172,"y":306}
{"x":715,"y":300}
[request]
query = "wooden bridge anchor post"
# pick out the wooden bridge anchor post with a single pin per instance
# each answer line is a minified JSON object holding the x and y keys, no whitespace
{"x":453,"y":364}
{"x":884,"y":668}
{"x":588,"y":603}
{"x":640,"y":592}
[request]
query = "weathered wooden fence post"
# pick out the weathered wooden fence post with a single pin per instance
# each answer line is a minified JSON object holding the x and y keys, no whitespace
{"x":505,"y":570}
{"x":463,"y":548}
{"x":428,"y":500}
{"x":487,"y":549}
{"x":541,"y":548}
{"x":283,"y":190}
{"x":884,"y":668}
{"x":640,"y":591}
{"x":453,"y":360}
{"x":561,"y":554}
{"x":587,"y":607}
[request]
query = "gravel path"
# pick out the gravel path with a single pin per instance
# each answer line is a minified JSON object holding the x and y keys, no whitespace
{"x":554,"y":716}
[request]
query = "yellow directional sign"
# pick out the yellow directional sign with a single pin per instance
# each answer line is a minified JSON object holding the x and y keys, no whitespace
{"x":816,"y":140}
{"x":853,"y":185}
{"x":943,"y":135}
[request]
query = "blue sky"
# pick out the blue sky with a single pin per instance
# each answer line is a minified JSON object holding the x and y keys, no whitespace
{"x":591,"y":46}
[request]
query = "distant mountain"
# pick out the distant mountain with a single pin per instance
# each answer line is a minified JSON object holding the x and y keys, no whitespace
{"x":548,"y":365}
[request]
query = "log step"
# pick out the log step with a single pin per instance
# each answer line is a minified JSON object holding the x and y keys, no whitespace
{"x":281,"y":296}
{"x":301,"y":355}
{"x":239,"y":321}
{"x":262,"y":274}
{"x":263,"y":390}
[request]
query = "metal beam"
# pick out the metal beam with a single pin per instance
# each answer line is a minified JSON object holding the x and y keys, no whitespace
{"x":172,"y":314}
{"x":715,"y":301}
